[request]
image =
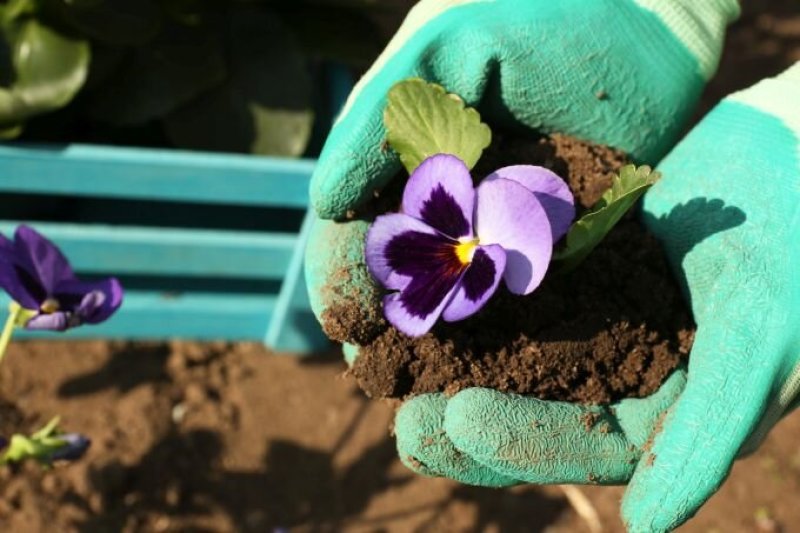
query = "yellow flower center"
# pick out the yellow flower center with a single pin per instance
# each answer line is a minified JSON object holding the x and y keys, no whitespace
{"x":465,"y":250}
{"x":50,"y":306}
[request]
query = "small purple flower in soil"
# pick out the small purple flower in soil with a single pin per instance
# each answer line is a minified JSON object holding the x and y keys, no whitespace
{"x":35,"y":273}
{"x":446,"y":252}
{"x":75,"y":445}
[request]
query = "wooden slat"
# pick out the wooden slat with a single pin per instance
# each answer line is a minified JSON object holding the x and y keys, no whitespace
{"x":154,"y":315}
{"x":176,"y":175}
{"x":168,"y":251}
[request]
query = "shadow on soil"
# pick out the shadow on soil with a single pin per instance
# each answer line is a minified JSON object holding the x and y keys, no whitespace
{"x":182,"y":476}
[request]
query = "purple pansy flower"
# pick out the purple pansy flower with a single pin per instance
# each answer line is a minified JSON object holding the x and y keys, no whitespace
{"x":445,"y":254}
{"x":75,"y":445}
{"x":35,"y":273}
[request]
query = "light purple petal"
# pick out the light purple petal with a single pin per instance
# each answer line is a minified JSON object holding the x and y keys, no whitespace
{"x":41,"y":258}
{"x":508,"y":214}
{"x":58,"y":321}
{"x":440,"y":193}
{"x":91,"y":302}
{"x":402,"y":315}
{"x":551,"y":191}
{"x":379,"y":236}
{"x":478,"y":284}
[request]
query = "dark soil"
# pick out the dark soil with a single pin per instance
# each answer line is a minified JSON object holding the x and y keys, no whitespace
{"x":615,"y":327}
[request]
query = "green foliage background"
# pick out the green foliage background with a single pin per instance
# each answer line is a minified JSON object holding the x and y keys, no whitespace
{"x":238,"y":76}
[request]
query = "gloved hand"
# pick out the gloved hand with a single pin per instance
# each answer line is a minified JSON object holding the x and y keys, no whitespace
{"x":544,"y":63}
{"x":625,"y":73}
{"x":728,"y":213}
{"x":621,"y":72}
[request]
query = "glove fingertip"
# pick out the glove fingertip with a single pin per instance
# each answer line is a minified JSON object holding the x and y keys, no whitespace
{"x":354,"y":163}
{"x":423,"y":445}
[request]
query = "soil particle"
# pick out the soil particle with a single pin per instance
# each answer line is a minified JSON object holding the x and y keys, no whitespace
{"x":648,"y":444}
{"x":615,"y":327}
{"x":589,"y":420}
{"x":351,"y":323}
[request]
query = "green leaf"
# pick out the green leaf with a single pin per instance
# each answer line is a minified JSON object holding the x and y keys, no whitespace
{"x":422,"y":120}
{"x":264,"y":106}
{"x":39,"y":446}
{"x":586,"y":233}
{"x":50,"y":69}
{"x":15,"y":9}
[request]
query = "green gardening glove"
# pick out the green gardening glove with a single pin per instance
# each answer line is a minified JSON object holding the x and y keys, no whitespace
{"x":621,"y":72}
{"x":728,"y":213}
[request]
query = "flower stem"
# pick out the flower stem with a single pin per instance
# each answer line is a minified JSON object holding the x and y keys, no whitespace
{"x":13,"y":314}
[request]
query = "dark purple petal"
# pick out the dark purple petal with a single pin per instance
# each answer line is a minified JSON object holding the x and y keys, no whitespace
{"x":75,"y":445}
{"x":58,"y":321}
{"x":18,"y":283}
{"x":415,"y":310}
{"x":508,"y":214}
{"x":478,"y":284}
{"x":380,"y":234}
{"x":41,"y":259}
{"x":432,"y":266}
{"x":440,"y":193}
{"x":91,"y":301}
{"x":551,"y":191}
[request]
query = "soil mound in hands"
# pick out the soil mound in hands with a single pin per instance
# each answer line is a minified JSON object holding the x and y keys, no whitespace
{"x":615,"y":327}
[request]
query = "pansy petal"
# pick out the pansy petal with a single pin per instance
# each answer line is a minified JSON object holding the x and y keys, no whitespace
{"x":41,"y":258}
{"x":75,"y":446}
{"x":6,"y":245}
{"x":385,"y":249}
{"x":440,"y":193}
{"x":478,"y":284}
{"x":551,"y":191}
{"x":82,"y":298}
{"x":57,"y":321}
{"x":19,"y":284}
{"x":405,"y":311}
{"x":510,"y":215}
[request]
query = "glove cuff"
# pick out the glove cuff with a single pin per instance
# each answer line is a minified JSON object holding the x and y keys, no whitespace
{"x":777,"y":97}
{"x":698,"y":24}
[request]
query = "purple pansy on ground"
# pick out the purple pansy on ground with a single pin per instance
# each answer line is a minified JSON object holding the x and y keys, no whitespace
{"x":445,"y":254}
{"x":35,"y":273}
{"x":75,"y":446}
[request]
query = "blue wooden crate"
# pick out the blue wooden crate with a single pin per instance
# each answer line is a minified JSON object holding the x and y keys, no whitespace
{"x":208,"y":246}
{"x":175,"y":256}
